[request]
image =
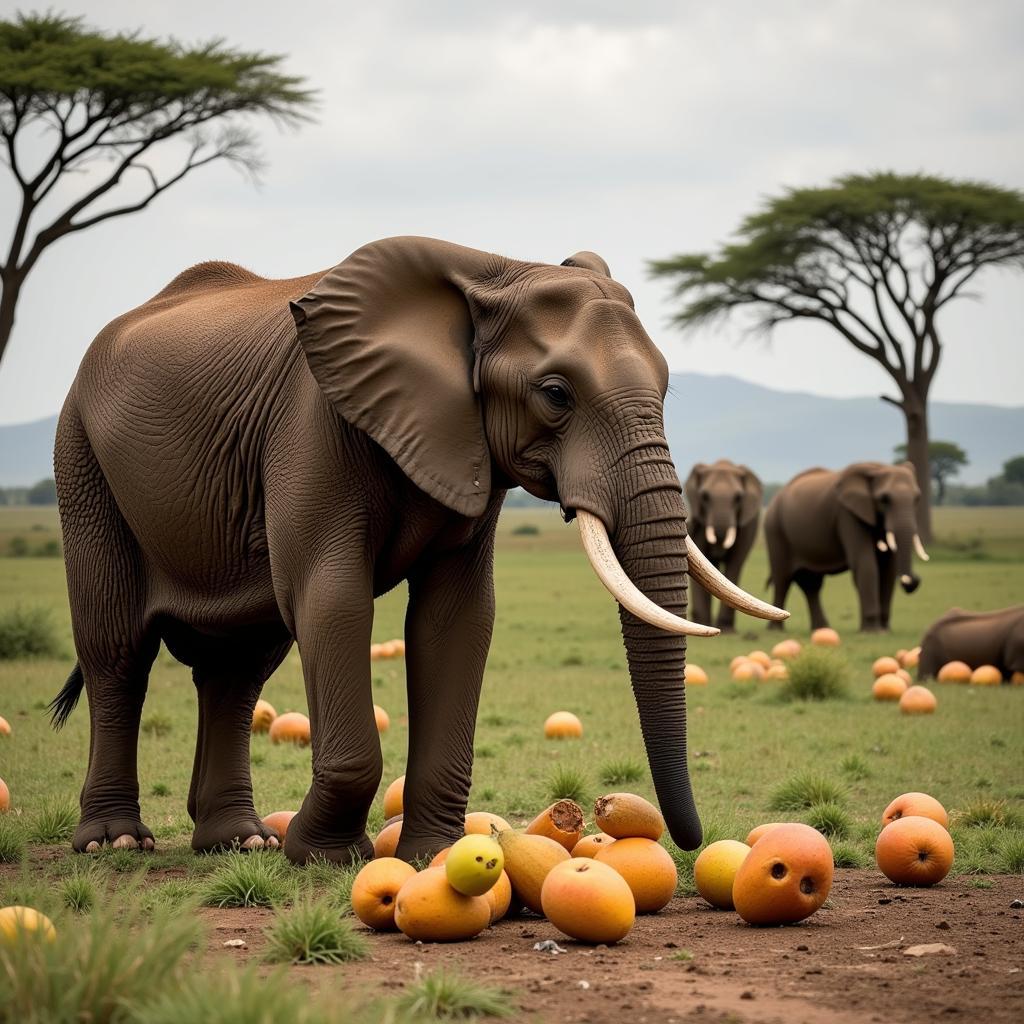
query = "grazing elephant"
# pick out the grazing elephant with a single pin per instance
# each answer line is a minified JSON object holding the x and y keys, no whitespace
{"x":977,"y":638}
{"x":725,"y":505}
{"x":862,"y":518}
{"x":245,"y":463}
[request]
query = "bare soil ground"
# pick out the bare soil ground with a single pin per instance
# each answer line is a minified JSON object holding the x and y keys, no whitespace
{"x":846,"y":964}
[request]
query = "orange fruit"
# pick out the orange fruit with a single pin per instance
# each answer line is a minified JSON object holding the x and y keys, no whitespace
{"x":479,"y":823}
{"x":760,"y":830}
{"x":647,"y":868}
{"x":777,"y":673}
{"x":1017,"y":679}
{"x":918,"y":805}
{"x":714,"y":871}
{"x":786,"y":876}
{"x":918,"y":700}
{"x":563,"y":725}
{"x":262,"y":716}
{"x":589,"y":845}
{"x":393,"y":797}
{"x":955,"y":672}
{"x":386,"y":842}
{"x":499,"y":896}
{"x":911,"y":658}
{"x":695,"y":676}
{"x":562,"y":821}
{"x":825,"y":637}
{"x":787,"y":649}
{"x":439,"y":858}
{"x":5,"y":797}
{"x":626,"y":816}
{"x":279,"y":822}
{"x":914,"y":851}
{"x":748,"y":671}
{"x":291,"y":727}
{"x":375,"y":891}
{"x":888,"y":687}
{"x":763,"y":658}
{"x":5,"y":727}
{"x":588,"y":900}
{"x":905,"y":676}
{"x":18,"y":922}
{"x":528,"y":859}
{"x":382,"y":718}
{"x":428,"y":909}
{"x":885,"y":667}
{"x":738,"y":660}
{"x":986,"y":675}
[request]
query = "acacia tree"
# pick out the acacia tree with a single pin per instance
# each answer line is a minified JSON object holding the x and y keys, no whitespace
{"x":944,"y":460}
{"x":82,"y":108}
{"x":876,"y":257}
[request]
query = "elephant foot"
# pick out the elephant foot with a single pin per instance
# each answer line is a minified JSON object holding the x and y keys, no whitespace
{"x":301,"y":849}
{"x":120,"y":832}
{"x":874,"y":627}
{"x":777,"y":627}
{"x":414,"y":848}
{"x":244,"y":833}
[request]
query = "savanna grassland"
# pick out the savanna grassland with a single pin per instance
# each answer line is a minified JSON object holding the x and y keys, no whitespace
{"x":753,"y":756}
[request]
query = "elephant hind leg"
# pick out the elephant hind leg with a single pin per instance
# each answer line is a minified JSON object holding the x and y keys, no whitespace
{"x":810,"y":583}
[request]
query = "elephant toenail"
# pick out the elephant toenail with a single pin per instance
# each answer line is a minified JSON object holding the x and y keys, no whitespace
{"x":253,"y":843}
{"x":125,"y":843}
{"x":148,"y":844}
{"x":92,"y":847}
{"x":272,"y":842}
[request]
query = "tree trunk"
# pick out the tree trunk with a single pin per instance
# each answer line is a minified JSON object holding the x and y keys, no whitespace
{"x":8,"y":300}
{"x":915,"y":411}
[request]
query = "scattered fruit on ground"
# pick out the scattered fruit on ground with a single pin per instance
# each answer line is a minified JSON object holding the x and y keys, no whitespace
{"x":388,"y":649}
{"x":279,"y":821}
{"x":648,"y":869}
{"x":748,"y":671}
{"x":715,"y":870}
{"x":17,"y":923}
{"x":763,"y":658}
{"x":393,"y":797}
{"x":563,"y":725}
{"x":786,"y":876}
{"x":914,"y":850}
{"x":499,"y":896}
{"x":777,"y":673}
{"x":986,"y":675}
{"x":589,"y":845}
{"x":921,"y":805}
{"x":905,"y":676}
{"x":562,"y":821}
{"x":885,"y":666}
{"x":382,"y":718}
{"x":263,"y":716}
{"x":825,"y":637}
{"x":696,"y":676}
{"x":386,"y":842}
{"x":375,"y":891}
{"x":955,"y":672}
{"x":910,"y":658}
{"x":481,"y":823}
{"x":5,"y":727}
{"x":474,"y":864}
{"x":428,"y":909}
{"x":738,"y":660}
{"x":628,"y":816}
{"x":888,"y":687}
{"x":5,"y":797}
{"x":291,"y":727}
{"x":528,"y":859}
{"x":760,"y":830}
{"x":588,"y":900}
{"x":918,"y":700}
{"x":787,"y":649}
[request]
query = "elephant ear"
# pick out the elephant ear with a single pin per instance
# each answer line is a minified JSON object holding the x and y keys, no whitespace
{"x":389,"y":335}
{"x":753,"y":495}
{"x":588,"y":261}
{"x":692,"y":489}
{"x":855,"y":494}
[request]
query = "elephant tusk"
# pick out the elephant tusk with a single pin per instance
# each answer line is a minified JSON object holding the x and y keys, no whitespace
{"x":730,"y":538}
{"x":890,"y":539}
{"x":906,"y":579}
{"x":710,"y":535}
{"x":881,"y":545}
{"x":919,"y":548}
{"x":727,"y":591}
{"x":599,"y":550}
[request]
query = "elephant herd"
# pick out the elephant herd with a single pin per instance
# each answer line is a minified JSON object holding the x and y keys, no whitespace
{"x":823,"y":522}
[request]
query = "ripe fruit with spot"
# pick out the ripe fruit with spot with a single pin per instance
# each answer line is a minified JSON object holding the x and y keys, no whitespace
{"x":986,"y":675}
{"x":786,"y":876}
{"x":715,"y":870}
{"x":382,"y":718}
{"x":428,"y":909}
{"x":589,"y":901}
{"x":914,"y":850}
{"x":375,"y":891}
{"x":955,"y":672}
{"x":394,"y":797}
{"x":279,"y":821}
{"x":562,"y":821}
{"x":628,"y":816}
{"x":888,"y":687}
{"x":291,"y":727}
{"x":589,"y":845}
{"x":918,"y":700}
{"x":563,"y":725}
{"x":20,"y":923}
{"x":528,"y":859}
{"x":481,"y":823}
{"x":921,"y":805}
{"x":263,"y":716}
{"x":474,"y":864}
{"x":760,"y":830}
{"x":825,"y":637}
{"x":648,"y":869}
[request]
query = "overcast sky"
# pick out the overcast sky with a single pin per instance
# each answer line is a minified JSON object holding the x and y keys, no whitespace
{"x":636,"y":128}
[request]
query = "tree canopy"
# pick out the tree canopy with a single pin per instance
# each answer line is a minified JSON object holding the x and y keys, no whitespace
{"x":945,"y":458}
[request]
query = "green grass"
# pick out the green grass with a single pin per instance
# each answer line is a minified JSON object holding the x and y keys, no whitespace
{"x":55,"y":822}
{"x":78,"y":891}
{"x":12,"y":840}
{"x":984,"y":813}
{"x":567,"y":783}
{"x":28,"y":633}
{"x":445,"y":996}
{"x":257,"y":879}
{"x":816,"y":673}
{"x":617,"y":773}
{"x":806,"y":790}
{"x":830,"y":819}
{"x":313,"y":933}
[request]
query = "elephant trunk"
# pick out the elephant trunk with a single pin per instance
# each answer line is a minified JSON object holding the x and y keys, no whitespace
{"x":901,"y":531}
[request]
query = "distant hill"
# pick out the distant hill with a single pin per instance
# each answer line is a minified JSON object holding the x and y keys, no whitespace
{"x":776,"y":433}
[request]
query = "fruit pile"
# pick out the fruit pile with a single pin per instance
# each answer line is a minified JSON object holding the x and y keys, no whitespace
{"x":388,"y":649}
{"x":914,"y":846}
{"x":892,"y":682}
{"x":982,"y":675}
{"x":759,"y":666}
{"x":293,"y":726}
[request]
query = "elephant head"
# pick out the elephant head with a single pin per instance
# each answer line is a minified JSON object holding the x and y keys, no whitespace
{"x":885,"y":498}
{"x":723,"y":497}
{"x":475,"y":373}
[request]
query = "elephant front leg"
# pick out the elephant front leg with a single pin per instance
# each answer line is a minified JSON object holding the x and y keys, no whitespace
{"x":448,"y":633}
{"x":866,"y":579}
{"x":333,"y":621}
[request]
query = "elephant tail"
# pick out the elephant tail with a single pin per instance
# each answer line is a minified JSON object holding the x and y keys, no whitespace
{"x":64,"y":703}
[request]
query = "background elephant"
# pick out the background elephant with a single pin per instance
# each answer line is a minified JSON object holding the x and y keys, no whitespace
{"x":862,"y":518}
{"x":977,"y":638}
{"x":724,"y":503}
{"x":243,"y":463}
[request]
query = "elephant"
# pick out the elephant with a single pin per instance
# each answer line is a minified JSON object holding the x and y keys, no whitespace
{"x":245,"y":463}
{"x":977,"y":638}
{"x":724,"y":503}
{"x":862,"y":518}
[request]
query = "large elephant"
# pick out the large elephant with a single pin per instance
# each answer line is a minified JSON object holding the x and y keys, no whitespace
{"x":977,"y":638}
{"x":725,"y":507}
{"x":862,"y":518}
{"x":243,"y":463}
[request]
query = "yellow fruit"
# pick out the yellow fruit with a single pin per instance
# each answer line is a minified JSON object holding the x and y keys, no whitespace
{"x":394,"y":796}
{"x":715,"y":869}
{"x":696,"y":676}
{"x":428,"y":909}
{"x":528,"y":859}
{"x":647,"y":868}
{"x":375,"y":891}
{"x":562,"y":821}
{"x":986,"y":675}
{"x":22,"y":922}
{"x":263,"y":716}
{"x":479,"y":823}
{"x":499,"y":896}
{"x":474,"y":864}
{"x":588,"y":900}
{"x":563,"y":725}
{"x":628,"y":816}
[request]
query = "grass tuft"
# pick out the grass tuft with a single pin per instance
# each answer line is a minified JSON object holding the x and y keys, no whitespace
{"x":313,"y":933}
{"x":12,"y":840}
{"x":78,"y":891}
{"x":615,"y":773}
{"x":55,"y":822}
{"x":804,"y":791}
{"x":1010,"y":854}
{"x":257,"y":879}
{"x":567,"y":784}
{"x":816,"y":674}
{"x":984,"y":813}
{"x":445,"y":996}
{"x":854,"y":767}
{"x":830,"y":820}
{"x":157,"y":725}
{"x":848,"y":855}
{"x":28,"y":633}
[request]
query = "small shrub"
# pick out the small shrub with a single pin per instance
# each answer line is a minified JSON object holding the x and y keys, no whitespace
{"x":854,"y":767}
{"x":445,"y":996}
{"x":816,"y":674}
{"x":160,"y":789}
{"x":313,"y":933}
{"x":55,"y":822}
{"x":175,"y":894}
{"x":157,"y":725}
{"x":847,"y":854}
{"x":567,"y":784}
{"x":1011,"y":854}
{"x":12,"y":840}
{"x":615,"y":773}
{"x":526,"y":530}
{"x":804,"y":791}
{"x":49,"y":549}
{"x":17,"y":548}
{"x":256,"y":879}
{"x":987,"y":814}
{"x":78,"y":892}
{"x":830,"y":820}
{"x":28,"y":633}
{"x":496,"y":721}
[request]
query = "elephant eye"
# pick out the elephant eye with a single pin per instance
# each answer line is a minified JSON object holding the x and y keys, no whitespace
{"x":557,"y":395}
